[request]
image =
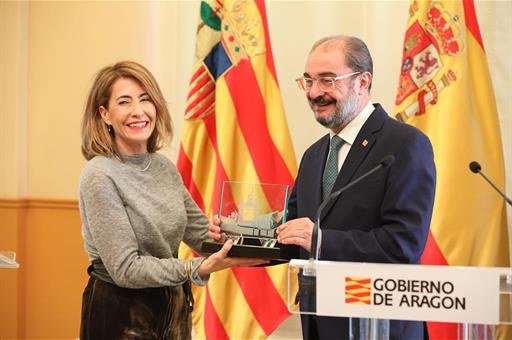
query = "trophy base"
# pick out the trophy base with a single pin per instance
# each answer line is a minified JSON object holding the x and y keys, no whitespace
{"x":244,"y":250}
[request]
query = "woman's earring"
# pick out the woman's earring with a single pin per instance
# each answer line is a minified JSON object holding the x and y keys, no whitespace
{"x":109,"y":128}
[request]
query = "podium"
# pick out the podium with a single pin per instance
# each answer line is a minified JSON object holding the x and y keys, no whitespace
{"x":371,"y":294}
{"x":8,"y":259}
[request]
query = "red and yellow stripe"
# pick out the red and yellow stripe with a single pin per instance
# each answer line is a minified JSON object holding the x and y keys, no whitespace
{"x":469,"y":221}
{"x":235,"y":129}
{"x":358,"y":290}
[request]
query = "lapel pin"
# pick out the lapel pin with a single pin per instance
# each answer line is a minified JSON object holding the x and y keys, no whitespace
{"x":365,"y":142}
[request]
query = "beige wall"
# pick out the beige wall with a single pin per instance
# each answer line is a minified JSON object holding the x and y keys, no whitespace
{"x":13,"y":96}
{"x":68,"y":43}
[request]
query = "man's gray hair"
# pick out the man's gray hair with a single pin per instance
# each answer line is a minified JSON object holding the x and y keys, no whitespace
{"x":357,"y":55}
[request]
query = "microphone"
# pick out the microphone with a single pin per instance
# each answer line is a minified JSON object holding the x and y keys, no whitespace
{"x":313,"y":253}
{"x":475,"y":167}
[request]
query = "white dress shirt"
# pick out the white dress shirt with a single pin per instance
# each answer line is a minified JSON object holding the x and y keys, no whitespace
{"x":349,"y":132}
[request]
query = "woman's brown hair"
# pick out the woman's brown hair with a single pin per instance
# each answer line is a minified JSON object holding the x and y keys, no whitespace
{"x":96,"y":138}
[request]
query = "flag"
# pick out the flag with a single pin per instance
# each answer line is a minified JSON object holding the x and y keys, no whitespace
{"x":235,"y":129}
{"x":445,"y":90}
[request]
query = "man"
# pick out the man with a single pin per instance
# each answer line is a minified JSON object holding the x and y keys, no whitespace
{"x":384,"y":218}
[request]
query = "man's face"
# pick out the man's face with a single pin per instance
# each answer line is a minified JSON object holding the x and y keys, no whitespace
{"x":333,"y":109}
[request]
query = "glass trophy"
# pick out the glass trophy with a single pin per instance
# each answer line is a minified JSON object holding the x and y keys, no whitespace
{"x":249,"y":214}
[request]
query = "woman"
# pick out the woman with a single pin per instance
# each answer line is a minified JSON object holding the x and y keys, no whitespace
{"x":135,"y":211}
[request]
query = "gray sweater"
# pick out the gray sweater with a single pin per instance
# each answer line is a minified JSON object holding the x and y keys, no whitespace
{"x":134,"y":221}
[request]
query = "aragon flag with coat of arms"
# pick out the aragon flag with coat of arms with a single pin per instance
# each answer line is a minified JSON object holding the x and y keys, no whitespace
{"x":445,"y":90}
{"x":235,"y":129}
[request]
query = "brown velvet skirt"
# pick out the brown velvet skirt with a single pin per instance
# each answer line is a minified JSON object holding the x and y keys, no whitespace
{"x":112,"y":312}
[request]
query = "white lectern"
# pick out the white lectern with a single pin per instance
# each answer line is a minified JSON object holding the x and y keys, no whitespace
{"x":370,"y":294}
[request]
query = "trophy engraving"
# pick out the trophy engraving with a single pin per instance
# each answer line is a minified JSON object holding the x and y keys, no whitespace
{"x":249,"y":214}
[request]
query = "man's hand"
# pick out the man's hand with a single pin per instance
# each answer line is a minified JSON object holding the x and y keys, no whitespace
{"x":296,"y":232}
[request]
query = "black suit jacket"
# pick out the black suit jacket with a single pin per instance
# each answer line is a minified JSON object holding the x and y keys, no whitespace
{"x":384,"y":218}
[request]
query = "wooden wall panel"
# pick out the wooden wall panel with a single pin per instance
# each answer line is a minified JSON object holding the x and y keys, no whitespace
{"x":52,"y":275}
{"x":11,"y":213}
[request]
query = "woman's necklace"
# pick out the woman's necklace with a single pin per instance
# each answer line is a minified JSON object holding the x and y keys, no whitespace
{"x":141,"y":170}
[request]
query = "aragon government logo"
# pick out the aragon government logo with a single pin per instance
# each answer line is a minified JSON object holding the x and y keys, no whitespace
{"x":358,"y":290}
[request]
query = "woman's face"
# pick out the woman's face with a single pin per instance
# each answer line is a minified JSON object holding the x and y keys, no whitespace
{"x":132,"y":115}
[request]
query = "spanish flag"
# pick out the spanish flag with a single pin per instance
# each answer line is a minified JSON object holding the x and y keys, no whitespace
{"x":446,"y":91}
{"x":235,"y":129}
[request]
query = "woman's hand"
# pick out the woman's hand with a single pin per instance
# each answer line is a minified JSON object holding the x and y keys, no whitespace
{"x":219,"y":260}
{"x":214,"y":231}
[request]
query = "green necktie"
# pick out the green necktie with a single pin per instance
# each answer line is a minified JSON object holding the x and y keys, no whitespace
{"x":331,"y":167}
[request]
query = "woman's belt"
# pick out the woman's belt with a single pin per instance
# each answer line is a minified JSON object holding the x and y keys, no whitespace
{"x":98,"y":270}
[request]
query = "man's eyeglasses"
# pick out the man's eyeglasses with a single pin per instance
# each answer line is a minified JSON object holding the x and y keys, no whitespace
{"x":325,"y":84}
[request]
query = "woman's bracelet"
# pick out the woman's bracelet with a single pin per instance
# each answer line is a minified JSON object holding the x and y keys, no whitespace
{"x":188,"y":270}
